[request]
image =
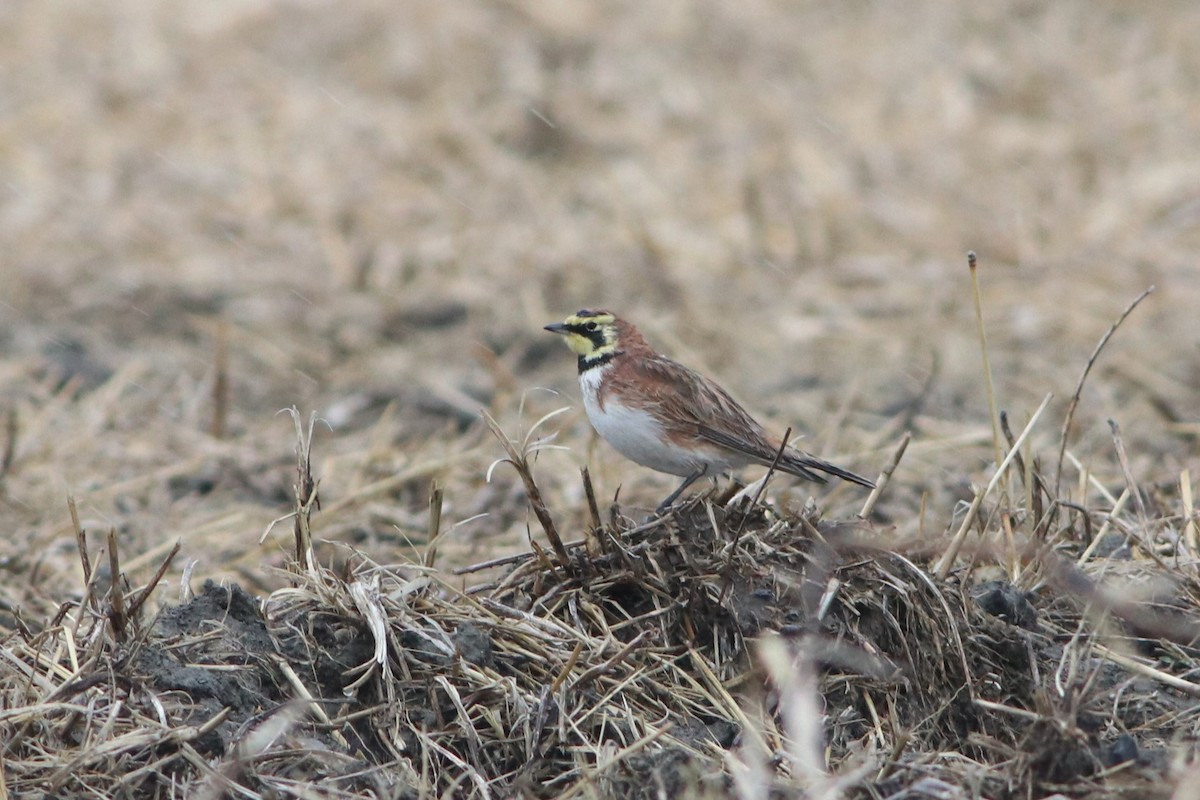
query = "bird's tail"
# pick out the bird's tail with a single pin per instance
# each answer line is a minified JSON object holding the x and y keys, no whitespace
{"x":793,"y":461}
{"x":803,"y":465}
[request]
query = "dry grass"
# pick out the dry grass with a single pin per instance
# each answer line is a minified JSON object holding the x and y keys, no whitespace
{"x":217,"y":211}
{"x":726,"y":649}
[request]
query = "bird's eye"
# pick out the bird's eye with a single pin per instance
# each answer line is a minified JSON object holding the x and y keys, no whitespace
{"x":591,"y":326}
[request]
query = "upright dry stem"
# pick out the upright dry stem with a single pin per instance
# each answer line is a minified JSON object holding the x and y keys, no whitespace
{"x":987,"y":366}
{"x":1066,"y":428}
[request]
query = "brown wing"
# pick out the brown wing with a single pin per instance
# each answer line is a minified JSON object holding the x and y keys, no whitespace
{"x":696,"y":408}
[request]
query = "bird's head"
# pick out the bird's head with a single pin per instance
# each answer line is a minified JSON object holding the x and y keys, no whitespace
{"x":592,"y":335}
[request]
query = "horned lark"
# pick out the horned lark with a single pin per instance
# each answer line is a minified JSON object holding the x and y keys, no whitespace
{"x":667,"y":417}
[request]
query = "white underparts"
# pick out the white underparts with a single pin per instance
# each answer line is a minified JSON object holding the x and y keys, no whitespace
{"x":637,"y":435}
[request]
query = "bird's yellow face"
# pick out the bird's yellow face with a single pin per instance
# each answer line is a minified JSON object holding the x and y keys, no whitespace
{"x":591,"y":335}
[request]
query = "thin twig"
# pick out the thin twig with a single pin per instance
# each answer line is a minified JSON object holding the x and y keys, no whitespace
{"x":594,"y":535}
{"x":1127,"y":473}
{"x":886,"y":475}
{"x":305,"y":490}
{"x":144,"y":595}
{"x":1133,"y":665}
{"x":589,"y":493}
{"x":521,"y":463}
{"x":947,"y":560}
{"x":972,"y":265}
{"x":1066,"y":428}
{"x":608,"y":665}
{"x":1096,"y":540}
{"x":1189,"y":511}
{"x":737,"y":534}
{"x":435,"y":524}
{"x":80,"y":540}
{"x":116,"y":596}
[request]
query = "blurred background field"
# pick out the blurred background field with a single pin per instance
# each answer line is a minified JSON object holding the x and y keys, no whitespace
{"x":383,"y":203}
{"x":213,"y":211}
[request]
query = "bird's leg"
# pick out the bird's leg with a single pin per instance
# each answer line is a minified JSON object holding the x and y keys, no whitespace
{"x":673,"y":496}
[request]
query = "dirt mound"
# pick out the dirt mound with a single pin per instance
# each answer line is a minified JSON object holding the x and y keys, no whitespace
{"x":683,"y":656}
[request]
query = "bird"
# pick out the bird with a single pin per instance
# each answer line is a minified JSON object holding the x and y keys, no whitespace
{"x":668,"y":417}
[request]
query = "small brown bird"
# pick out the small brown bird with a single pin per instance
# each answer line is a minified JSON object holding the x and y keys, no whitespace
{"x":667,"y":417}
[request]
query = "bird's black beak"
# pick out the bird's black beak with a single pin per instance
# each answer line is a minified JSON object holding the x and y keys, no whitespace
{"x":557,"y":327}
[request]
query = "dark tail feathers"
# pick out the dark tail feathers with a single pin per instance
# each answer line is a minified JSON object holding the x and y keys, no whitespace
{"x":802,"y":465}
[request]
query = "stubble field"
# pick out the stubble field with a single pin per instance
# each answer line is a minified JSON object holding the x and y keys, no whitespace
{"x":212,"y":212}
